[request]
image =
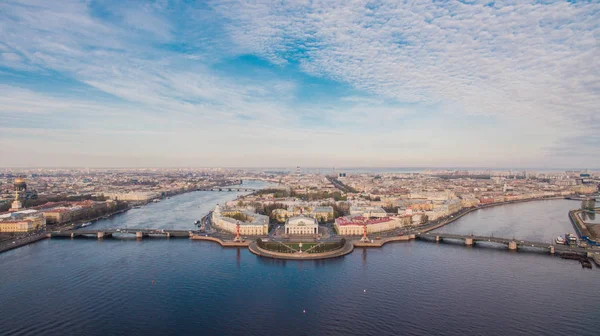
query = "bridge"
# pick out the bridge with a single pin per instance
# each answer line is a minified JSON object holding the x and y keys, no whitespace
{"x":584,"y":198}
{"x":105,"y":233}
{"x":512,"y":243}
{"x":237,"y":189}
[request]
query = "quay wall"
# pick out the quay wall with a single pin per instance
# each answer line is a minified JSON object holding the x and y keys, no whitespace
{"x":381,"y":242}
{"x":347,"y":248}
{"x":581,"y":228}
{"x":221,"y":242}
{"x":8,"y":245}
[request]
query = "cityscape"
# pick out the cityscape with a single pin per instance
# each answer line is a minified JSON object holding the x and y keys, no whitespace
{"x":264,"y":167}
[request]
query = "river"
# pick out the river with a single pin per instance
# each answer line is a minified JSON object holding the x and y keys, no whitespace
{"x":539,"y":221}
{"x":179,"y":286}
{"x":174,"y":213}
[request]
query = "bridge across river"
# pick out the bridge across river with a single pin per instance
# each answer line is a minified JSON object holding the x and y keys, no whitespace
{"x":236,"y":189}
{"x":469,"y":240}
{"x":139,"y":233}
{"x":512,"y":243}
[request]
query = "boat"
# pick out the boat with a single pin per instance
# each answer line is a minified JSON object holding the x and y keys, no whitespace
{"x":570,"y":238}
{"x":197,"y":222}
{"x":585,"y":262}
{"x":86,"y":224}
{"x":560,"y":240}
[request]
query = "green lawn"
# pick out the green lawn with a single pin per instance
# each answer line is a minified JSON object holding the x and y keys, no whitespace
{"x":305,"y":246}
{"x":291,"y":247}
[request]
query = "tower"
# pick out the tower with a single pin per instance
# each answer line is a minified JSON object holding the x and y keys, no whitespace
{"x":237,"y":233}
{"x":20,"y":188}
{"x":364,"y":237}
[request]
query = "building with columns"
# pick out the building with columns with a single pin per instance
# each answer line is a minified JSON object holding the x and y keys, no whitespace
{"x":301,"y":225}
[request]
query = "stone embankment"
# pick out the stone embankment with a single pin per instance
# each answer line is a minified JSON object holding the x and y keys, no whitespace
{"x":583,"y":231}
{"x":8,"y":245}
{"x":221,"y":242}
{"x":347,"y":248}
{"x":383,"y":241}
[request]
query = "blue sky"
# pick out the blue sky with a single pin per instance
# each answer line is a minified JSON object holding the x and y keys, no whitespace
{"x":309,"y":83}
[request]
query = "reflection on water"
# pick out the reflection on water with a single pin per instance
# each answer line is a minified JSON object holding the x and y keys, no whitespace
{"x":181,"y":286}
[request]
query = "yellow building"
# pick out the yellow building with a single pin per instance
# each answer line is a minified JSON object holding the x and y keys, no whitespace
{"x":301,"y":225}
{"x":22,"y":221}
{"x":58,"y":215}
{"x":253,"y":224}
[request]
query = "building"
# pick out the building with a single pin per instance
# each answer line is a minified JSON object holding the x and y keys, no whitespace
{"x":320,"y":213}
{"x":355,"y":225}
{"x":140,"y":196}
{"x":368,"y":211}
{"x":301,"y":225}
{"x":20,"y":189}
{"x":323,"y":213}
{"x":22,"y":221}
{"x":58,"y":215}
{"x":444,"y":209}
{"x":250,"y":223}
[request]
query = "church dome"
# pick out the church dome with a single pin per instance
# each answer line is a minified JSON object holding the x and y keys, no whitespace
{"x":20,"y":184}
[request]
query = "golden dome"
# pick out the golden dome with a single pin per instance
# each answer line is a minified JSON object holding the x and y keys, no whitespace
{"x":19,"y":180}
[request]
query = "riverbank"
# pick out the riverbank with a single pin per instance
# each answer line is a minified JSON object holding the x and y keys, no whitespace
{"x":77,"y":224}
{"x":9,"y":245}
{"x":18,"y":242}
{"x":383,"y":241}
{"x":581,"y":228}
{"x":479,"y":207}
{"x":220,"y":241}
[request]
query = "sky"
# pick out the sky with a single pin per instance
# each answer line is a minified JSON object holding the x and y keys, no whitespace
{"x":300,"y":83}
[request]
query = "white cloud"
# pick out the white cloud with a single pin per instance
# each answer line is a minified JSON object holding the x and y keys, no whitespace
{"x":525,"y":61}
{"x":532,"y":68}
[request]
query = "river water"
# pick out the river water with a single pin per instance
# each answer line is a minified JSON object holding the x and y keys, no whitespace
{"x":539,"y":221}
{"x":179,"y":286}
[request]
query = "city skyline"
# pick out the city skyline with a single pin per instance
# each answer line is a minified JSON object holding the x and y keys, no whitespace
{"x":281,"y":84}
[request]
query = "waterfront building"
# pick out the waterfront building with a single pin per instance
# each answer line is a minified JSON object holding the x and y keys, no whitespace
{"x":354,"y":225}
{"x":22,"y":221}
{"x":250,"y":223}
{"x":445,"y":208}
{"x":301,"y":225}
{"x":132,"y":196}
{"x":59,"y":215}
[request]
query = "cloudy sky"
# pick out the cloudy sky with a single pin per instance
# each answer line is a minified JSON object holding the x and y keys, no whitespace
{"x":309,"y":83}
